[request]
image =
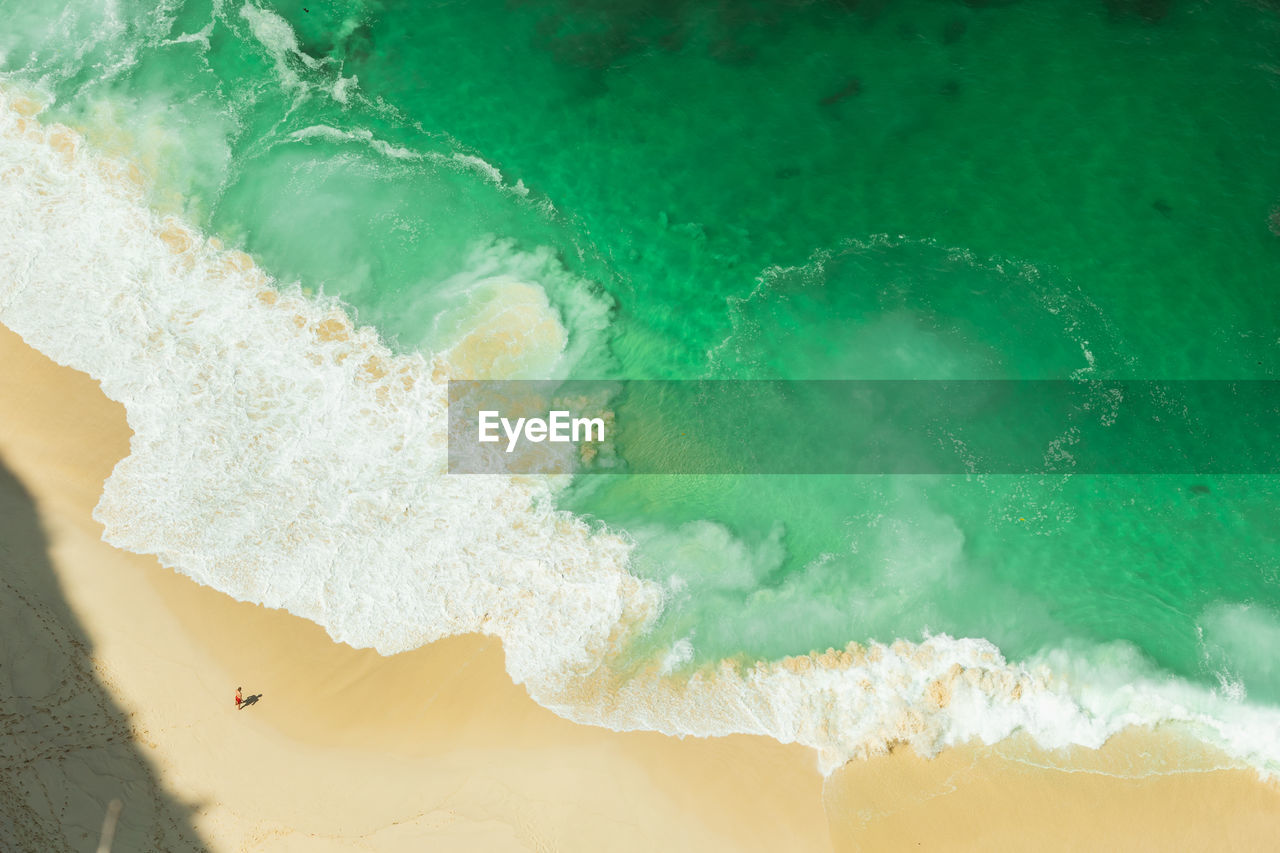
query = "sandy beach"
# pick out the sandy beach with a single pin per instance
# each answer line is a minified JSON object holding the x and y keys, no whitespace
{"x":118,"y":675}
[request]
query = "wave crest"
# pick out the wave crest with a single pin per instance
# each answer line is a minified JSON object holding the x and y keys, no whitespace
{"x":286,"y":457}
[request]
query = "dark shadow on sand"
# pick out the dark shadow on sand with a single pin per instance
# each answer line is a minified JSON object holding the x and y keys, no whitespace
{"x":66,"y":748}
{"x":250,"y":700}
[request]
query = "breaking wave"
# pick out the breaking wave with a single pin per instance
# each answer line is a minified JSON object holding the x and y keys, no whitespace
{"x":286,"y":456}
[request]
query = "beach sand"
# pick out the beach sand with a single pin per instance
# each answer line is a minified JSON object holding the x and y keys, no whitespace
{"x":117,"y":678}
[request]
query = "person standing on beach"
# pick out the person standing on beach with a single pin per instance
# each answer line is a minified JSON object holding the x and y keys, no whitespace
{"x":239,"y":698}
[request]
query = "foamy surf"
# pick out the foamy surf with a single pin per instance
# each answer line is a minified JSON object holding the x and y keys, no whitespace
{"x":263,"y":510}
{"x":286,"y":457}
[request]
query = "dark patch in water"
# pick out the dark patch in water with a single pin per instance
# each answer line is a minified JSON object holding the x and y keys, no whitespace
{"x":954,"y":31}
{"x":869,"y":10}
{"x":673,"y":39}
{"x":1162,"y":207}
{"x":950,"y":88}
{"x":851,"y":89}
{"x":731,"y":52}
{"x":1150,"y":11}
{"x":360,"y":45}
{"x":1199,"y":489}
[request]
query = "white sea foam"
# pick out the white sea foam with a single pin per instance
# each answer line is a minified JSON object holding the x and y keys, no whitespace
{"x":296,"y":70}
{"x":277,"y":37}
{"x":456,"y":160}
{"x":287,"y":458}
{"x":366,"y":137}
{"x":343,"y":87}
{"x":279,"y":454}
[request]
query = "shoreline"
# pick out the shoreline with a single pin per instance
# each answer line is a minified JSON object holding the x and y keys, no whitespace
{"x":438,"y":746}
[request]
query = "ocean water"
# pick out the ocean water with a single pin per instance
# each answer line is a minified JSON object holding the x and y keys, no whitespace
{"x":273,"y":230}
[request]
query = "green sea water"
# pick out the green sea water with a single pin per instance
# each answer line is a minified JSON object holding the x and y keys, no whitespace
{"x":827,"y":190}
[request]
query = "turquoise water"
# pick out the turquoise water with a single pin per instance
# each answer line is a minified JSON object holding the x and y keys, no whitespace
{"x":777,"y":190}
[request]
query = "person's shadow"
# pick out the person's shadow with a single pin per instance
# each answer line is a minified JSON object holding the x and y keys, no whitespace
{"x":250,"y":700}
